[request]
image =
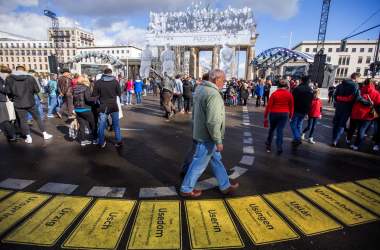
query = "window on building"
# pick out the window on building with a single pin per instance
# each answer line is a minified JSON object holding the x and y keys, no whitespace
{"x":35,"y":66}
{"x":368,"y":59}
{"x":22,"y":45}
{"x":348,"y":60}
{"x":360,"y":59}
{"x":1,"y":59}
{"x":28,"y":59}
{"x":1,"y":45}
{"x":40,"y":59}
{"x":34,"y":45}
{"x":365,"y":72}
{"x":30,"y":66}
{"x":40,"y":66}
{"x":34,"y":59}
{"x":361,"y":49}
{"x":46,"y":67}
{"x":337,"y":50}
{"x":6,"y":59}
{"x":1,"y":52}
{"x":370,"y":50}
{"x":340,"y":60}
{"x":23,"y":59}
{"x":39,"y":45}
{"x":17,"y":52}
{"x":11,"y":52}
{"x":33,"y":52}
{"x":6,"y":45}
{"x":23,"y":52}
{"x":122,"y":51}
{"x":358,"y":70}
{"x":345,"y":72}
{"x":113,"y":51}
{"x":315,"y":50}
{"x":12,"y":45}
{"x":45,"y":59}
{"x":338,"y":72}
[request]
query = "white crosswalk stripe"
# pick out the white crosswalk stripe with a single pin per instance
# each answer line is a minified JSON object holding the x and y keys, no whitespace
{"x":100,"y":191}
{"x":13,"y":183}
{"x":57,"y":188}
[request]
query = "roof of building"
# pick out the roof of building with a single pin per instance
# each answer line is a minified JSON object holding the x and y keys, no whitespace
{"x":335,"y":42}
{"x":110,"y":47}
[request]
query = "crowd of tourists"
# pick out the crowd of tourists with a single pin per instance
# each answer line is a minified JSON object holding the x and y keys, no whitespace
{"x":90,"y":105}
{"x":356,"y":104}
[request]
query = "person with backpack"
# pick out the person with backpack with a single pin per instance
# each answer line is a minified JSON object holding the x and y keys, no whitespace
{"x":52,"y":89}
{"x":83,"y":101}
{"x":362,"y":115}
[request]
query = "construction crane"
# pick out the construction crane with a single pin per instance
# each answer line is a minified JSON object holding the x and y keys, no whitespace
{"x":323,"y":24}
{"x":318,"y":67}
{"x":54,"y":60}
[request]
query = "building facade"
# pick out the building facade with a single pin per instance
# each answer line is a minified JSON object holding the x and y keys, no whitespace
{"x":33,"y":54}
{"x":356,"y":58}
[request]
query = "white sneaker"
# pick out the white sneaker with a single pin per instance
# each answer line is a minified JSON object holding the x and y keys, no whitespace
{"x":85,"y":143}
{"x":47,"y":136}
{"x":303,"y":136}
{"x":376,"y":148}
{"x":28,"y":139}
{"x":353,"y":147}
{"x":311,"y":140}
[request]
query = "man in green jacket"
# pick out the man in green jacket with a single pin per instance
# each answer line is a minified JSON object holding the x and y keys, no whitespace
{"x":208,"y":132}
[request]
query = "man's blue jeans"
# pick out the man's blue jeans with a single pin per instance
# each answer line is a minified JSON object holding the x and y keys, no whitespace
{"x":39,"y":108}
{"x":138,"y":97}
{"x":52,"y":104}
{"x":205,"y":153}
{"x":296,"y":126}
{"x":129,"y":97}
{"x":102,"y":124}
{"x":277,"y":123}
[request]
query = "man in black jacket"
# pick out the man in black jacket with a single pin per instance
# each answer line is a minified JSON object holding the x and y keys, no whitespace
{"x":107,"y":90}
{"x":5,"y":125}
{"x":22,"y":87}
{"x":303,"y":96}
{"x":187,"y":95}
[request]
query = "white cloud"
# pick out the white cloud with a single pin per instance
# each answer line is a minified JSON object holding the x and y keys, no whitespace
{"x":279,"y":9}
{"x":6,"y":6}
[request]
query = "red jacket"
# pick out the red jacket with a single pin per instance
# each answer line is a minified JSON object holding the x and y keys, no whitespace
{"x":362,"y":112}
{"x":316,"y":108}
{"x":281,"y":101}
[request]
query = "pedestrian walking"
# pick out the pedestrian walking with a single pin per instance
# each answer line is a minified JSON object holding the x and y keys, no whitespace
{"x":107,"y":90}
{"x":138,"y":87}
{"x":315,"y":113}
{"x":187,"y":95}
{"x":22,"y":87}
{"x":303,"y":97}
{"x":6,"y":115}
{"x":66,"y":92}
{"x":52,"y":90}
{"x":208,"y":131}
{"x":244,"y":93}
{"x":178,"y":93}
{"x":168,"y":86}
{"x":345,"y":95}
{"x":267,"y":87}
{"x":280,"y":108}
{"x":362,"y":115}
{"x":130,"y":90}
{"x":259,"y":92}
{"x":83,"y":101}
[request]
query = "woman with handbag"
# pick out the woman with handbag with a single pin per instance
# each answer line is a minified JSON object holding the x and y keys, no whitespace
{"x":6,"y":107}
{"x":361,"y":115}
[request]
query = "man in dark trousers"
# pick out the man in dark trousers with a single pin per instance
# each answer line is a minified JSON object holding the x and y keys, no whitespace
{"x":345,"y":95}
{"x":303,"y":96}
{"x":107,"y":89}
{"x":66,"y":93}
{"x":22,"y":87}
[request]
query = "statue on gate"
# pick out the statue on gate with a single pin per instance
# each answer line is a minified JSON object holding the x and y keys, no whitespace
{"x":167,"y":59}
{"x":146,"y":61}
{"x":227,"y":60}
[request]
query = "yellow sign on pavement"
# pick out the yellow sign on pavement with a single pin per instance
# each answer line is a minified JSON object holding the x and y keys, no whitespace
{"x":363,"y":196}
{"x":4,"y":193}
{"x":49,"y":223}
{"x":340,"y":207}
{"x":157,"y":226}
{"x":302,"y":214}
{"x":18,"y":206}
{"x":260,"y":221}
{"x":373,"y":184}
{"x":211,"y":226}
{"x":102,"y":226}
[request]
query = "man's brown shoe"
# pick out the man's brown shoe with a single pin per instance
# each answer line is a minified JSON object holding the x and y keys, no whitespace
{"x":193,"y":194}
{"x":231,"y":189}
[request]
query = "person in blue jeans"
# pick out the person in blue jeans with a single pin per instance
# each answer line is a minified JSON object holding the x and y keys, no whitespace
{"x":53,"y":106}
{"x":208,"y":132}
{"x":138,"y":85}
{"x":107,"y":89}
{"x":303,"y":96}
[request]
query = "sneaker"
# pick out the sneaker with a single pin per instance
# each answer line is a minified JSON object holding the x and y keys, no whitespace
{"x":311,"y":140}
{"x":50,"y":116}
{"x":28,"y":139}
{"x":47,"y":136}
{"x":94,"y":142}
{"x":193,"y":194}
{"x":303,"y":136}
{"x":119,"y":144}
{"x":348,"y":142}
{"x":103,"y":145}
{"x":376,"y":148}
{"x":355,"y":148}
{"x":59,"y":115}
{"x":232,"y":188}
{"x":85,"y":143}
{"x":268,"y":148}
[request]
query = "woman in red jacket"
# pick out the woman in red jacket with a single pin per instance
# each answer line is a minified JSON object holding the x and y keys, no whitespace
{"x":362,"y":115}
{"x":280,"y":107}
{"x":314,"y":114}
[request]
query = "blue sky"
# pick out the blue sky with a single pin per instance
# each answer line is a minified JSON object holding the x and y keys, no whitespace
{"x":121,"y":22}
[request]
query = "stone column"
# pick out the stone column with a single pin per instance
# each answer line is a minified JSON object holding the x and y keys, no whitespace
{"x":250,"y":57}
{"x":177,"y":52}
{"x":194,"y":64}
{"x":215,"y":57}
{"x":234,"y":63}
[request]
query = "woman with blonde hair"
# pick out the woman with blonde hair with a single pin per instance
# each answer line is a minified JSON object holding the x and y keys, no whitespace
{"x":83,"y":101}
